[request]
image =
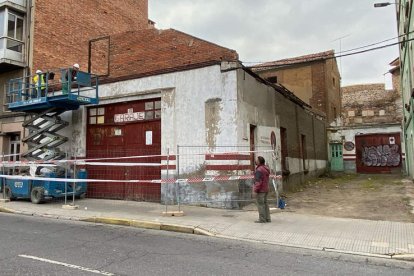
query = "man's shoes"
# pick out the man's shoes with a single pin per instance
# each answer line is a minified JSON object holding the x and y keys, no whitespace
{"x":268,"y":220}
{"x":259,"y":221}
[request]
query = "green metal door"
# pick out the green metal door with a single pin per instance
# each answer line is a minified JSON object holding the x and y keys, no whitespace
{"x":337,"y":161}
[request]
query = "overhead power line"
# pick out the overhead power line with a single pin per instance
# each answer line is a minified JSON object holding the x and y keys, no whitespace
{"x":343,"y":53}
{"x":336,"y":56}
{"x":373,"y":44}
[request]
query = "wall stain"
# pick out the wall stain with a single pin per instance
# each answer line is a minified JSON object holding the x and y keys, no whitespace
{"x":168,"y":97}
{"x":212,"y":120}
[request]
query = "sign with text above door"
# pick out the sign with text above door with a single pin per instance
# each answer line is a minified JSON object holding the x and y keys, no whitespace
{"x":129,"y":117}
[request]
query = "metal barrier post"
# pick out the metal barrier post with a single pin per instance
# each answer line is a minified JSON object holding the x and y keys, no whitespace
{"x":75,"y":176}
{"x":168,"y":161}
{"x":275,"y":181}
{"x":74,"y":183}
{"x":66,"y":177}
{"x":3,"y":182}
{"x":177,"y":185}
{"x":69,"y":206}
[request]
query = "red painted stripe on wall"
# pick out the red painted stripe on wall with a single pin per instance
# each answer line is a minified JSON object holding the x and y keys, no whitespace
{"x":171,"y":157}
{"x":227,"y":167}
{"x":170,"y":167}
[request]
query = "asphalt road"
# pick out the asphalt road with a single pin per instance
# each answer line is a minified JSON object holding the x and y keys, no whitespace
{"x":38,"y":246}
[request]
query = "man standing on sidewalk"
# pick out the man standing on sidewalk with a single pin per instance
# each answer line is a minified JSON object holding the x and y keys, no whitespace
{"x":261,"y":188}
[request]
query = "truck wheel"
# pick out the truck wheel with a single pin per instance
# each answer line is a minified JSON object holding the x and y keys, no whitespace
{"x":8,"y":193}
{"x":37,"y":195}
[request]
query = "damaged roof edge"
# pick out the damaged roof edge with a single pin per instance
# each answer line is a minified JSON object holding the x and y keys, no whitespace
{"x":206,"y":41}
{"x":278,"y":88}
{"x":295,"y":61}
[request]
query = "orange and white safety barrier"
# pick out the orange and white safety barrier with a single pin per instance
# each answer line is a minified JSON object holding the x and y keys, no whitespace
{"x":159,"y":181}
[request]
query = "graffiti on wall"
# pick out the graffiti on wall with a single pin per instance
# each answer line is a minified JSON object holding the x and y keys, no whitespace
{"x":382,"y":155}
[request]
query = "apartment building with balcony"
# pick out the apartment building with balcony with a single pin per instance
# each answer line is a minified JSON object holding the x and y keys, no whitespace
{"x":12,"y":38}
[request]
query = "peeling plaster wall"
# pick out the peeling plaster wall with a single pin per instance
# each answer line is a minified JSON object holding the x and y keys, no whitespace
{"x":213,"y":111}
{"x":198,"y":108}
{"x":262,"y":106}
{"x":183,"y":109}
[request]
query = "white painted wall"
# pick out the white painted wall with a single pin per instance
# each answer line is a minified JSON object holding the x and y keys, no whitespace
{"x":182,"y":109}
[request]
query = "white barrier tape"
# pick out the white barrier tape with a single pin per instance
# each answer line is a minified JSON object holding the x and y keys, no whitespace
{"x":158,"y":181}
{"x":28,"y":164}
{"x":9,"y":155}
{"x":13,"y":165}
{"x":162,"y":155}
{"x":85,"y":161}
{"x":118,"y":164}
{"x":149,"y":156}
{"x":214,"y":178}
{"x":75,"y":180}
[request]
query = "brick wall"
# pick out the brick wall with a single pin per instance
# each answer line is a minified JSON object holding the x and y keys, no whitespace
{"x":313,"y":83}
{"x":153,"y":51}
{"x":297,"y":79}
{"x":62,"y":29}
{"x":370,"y":104}
{"x":319,"y":98}
{"x":100,"y":50}
{"x":333,"y":89}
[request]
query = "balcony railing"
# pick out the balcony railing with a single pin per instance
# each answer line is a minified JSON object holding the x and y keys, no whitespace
{"x":11,"y":51}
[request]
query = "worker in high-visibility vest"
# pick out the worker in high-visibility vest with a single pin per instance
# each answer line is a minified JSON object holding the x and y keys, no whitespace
{"x":39,"y":84}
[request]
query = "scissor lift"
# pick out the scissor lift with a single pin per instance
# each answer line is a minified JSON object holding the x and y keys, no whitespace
{"x":43,"y":104}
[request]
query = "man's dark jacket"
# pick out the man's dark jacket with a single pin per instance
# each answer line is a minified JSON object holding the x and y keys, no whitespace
{"x":261,"y":177}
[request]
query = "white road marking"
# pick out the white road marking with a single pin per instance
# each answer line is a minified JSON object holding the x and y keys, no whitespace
{"x":67,"y":265}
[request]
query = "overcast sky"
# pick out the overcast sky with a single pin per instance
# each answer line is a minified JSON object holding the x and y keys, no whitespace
{"x":266,"y":30}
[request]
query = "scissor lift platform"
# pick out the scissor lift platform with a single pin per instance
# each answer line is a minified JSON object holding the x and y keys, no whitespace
{"x":26,"y":96}
{"x":43,"y":98}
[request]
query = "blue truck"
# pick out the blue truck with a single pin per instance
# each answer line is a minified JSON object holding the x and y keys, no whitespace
{"x":39,"y":191}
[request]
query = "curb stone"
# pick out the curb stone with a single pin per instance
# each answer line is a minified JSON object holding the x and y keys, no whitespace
{"x":7,"y":210}
{"x":403,"y":257}
{"x":146,"y":224}
{"x":199,"y":231}
{"x":177,"y":228}
{"x":143,"y":224}
{"x":113,"y":221}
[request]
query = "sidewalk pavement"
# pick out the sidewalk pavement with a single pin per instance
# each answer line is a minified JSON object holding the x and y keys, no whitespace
{"x":384,"y":239}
